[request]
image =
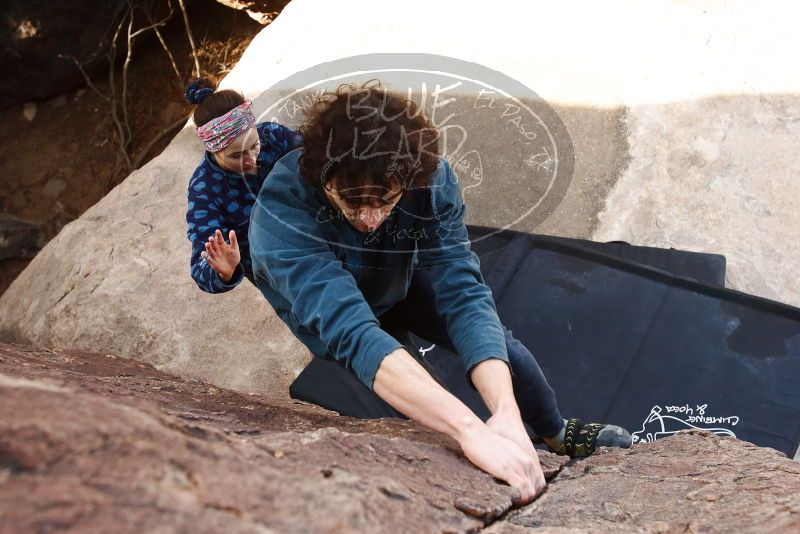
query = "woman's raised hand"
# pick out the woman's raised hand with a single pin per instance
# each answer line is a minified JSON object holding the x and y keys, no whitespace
{"x":223,"y":257}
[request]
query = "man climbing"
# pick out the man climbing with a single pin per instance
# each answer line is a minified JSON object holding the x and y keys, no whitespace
{"x":357,"y":238}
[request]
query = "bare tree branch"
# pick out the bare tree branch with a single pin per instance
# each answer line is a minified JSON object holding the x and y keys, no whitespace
{"x":153,"y":25}
{"x":128,"y":58}
{"x":154,"y":141}
{"x":196,"y":72}
{"x":164,"y":43}
{"x":112,"y":55}
{"x":86,"y":78}
{"x":117,"y":94}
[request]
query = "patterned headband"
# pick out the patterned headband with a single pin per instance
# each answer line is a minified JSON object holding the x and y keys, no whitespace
{"x":218,"y":133}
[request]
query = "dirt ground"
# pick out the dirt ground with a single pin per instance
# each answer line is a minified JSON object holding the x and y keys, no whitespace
{"x":59,"y":164}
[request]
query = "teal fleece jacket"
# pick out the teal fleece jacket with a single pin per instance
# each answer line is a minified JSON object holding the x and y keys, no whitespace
{"x":330,"y":282}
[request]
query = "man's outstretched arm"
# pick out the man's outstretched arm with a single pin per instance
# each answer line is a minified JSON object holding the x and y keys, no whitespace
{"x":461,"y":296}
{"x":409,"y":388}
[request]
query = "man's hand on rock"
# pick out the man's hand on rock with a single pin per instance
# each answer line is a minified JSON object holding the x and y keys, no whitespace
{"x":403,"y":383}
{"x":509,"y":425}
{"x":492,"y":379}
{"x":503,"y":458}
{"x":222,"y":257}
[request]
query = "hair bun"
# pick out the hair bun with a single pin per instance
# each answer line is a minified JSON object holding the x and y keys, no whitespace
{"x":198,"y":90}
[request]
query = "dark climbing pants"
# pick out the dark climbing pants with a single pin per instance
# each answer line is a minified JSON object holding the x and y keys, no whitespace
{"x":329,"y":384}
{"x":417,"y":314}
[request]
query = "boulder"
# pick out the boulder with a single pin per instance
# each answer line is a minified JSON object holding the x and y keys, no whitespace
{"x":261,"y":11}
{"x":125,"y":286}
{"x":690,"y":482}
{"x":92,"y":442}
{"x":685,"y":143}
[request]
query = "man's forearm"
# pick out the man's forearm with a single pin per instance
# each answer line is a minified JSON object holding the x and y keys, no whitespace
{"x":492,"y":379}
{"x":409,"y":388}
{"x":503,"y":449}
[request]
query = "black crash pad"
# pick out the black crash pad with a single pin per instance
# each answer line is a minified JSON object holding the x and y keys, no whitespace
{"x":328,"y":384}
{"x":629,"y":344}
{"x":703,"y":267}
{"x":623,"y":342}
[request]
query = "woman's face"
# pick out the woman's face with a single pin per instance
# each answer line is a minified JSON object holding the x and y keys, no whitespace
{"x":240,"y":156}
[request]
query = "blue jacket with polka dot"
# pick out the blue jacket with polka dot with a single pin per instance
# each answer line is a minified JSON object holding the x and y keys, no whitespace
{"x":223,"y":200}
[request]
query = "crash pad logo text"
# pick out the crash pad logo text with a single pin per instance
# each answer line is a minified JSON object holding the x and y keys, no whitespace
{"x":663,"y":421}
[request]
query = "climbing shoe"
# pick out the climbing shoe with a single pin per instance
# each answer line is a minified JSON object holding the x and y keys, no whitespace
{"x":578,"y":439}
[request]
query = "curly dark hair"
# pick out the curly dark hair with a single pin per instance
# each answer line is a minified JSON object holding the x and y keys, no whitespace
{"x":364,"y":138}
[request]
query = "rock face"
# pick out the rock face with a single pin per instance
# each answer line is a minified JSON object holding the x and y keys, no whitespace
{"x":687,"y":483}
{"x":716,"y":179}
{"x":124,"y":286}
{"x":96,"y":443}
{"x":664,"y":156}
